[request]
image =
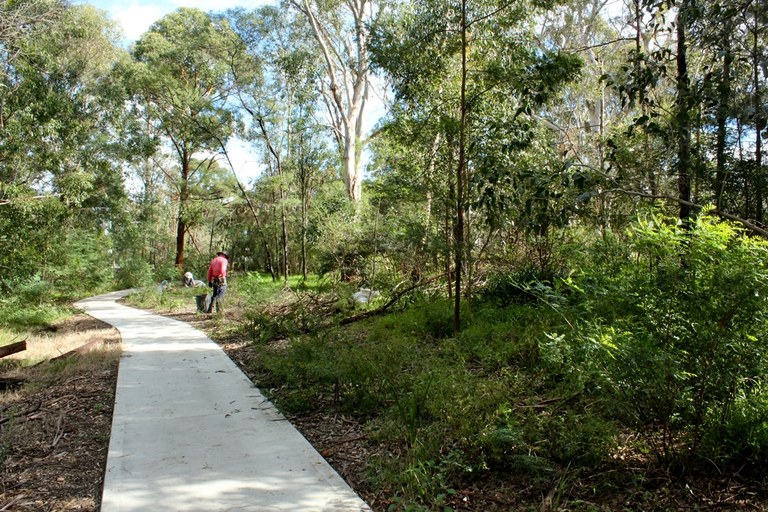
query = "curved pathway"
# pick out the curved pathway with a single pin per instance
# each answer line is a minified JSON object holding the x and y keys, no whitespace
{"x":190,"y":432}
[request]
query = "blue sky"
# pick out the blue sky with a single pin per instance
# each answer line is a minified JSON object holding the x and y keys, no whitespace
{"x":135,"y":16}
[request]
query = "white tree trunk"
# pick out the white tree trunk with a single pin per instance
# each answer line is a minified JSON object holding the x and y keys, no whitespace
{"x":345,"y":51}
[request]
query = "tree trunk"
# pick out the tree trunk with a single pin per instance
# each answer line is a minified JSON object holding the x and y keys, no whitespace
{"x":347,"y":94}
{"x":284,"y":234}
{"x":724,"y":90}
{"x":351,"y":172}
{"x":653,"y":184}
{"x":304,"y":224}
{"x":683,"y":122}
{"x":276,"y":233}
{"x":430,"y":175}
{"x":759,"y":125}
{"x":460,"y":174}
{"x":279,"y":171}
{"x":449,"y":228}
{"x":181,"y":226}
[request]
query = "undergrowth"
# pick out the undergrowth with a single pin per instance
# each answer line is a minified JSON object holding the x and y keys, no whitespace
{"x":653,"y":347}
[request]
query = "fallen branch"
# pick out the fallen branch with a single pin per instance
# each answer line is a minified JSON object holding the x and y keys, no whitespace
{"x":27,"y":412}
{"x":59,"y":430}
{"x":393,"y":300}
{"x":10,"y":503}
{"x":13,"y":348}
{"x":82,"y":349}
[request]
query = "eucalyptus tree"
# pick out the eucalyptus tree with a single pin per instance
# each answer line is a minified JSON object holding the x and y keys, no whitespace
{"x":59,"y":103}
{"x":18,"y":21}
{"x":342,"y":33}
{"x":733,"y":39}
{"x":696,"y":81}
{"x":56,"y":91}
{"x":475,"y":66}
{"x":755,"y":23}
{"x":183,"y":85}
{"x":281,"y":116}
{"x":582,"y":118}
{"x":591,"y":113}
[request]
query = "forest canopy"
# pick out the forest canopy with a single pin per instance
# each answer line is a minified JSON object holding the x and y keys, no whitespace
{"x":504,"y":126}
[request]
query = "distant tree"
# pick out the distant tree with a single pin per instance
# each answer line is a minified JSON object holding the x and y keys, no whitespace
{"x":183,"y":84}
{"x":473,"y":67}
{"x":282,"y":117}
{"x":695,"y":78}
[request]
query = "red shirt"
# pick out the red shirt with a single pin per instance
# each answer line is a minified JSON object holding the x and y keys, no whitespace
{"x":217,"y":268}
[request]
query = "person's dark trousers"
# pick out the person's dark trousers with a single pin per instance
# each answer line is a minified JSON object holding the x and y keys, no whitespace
{"x":219,"y":289}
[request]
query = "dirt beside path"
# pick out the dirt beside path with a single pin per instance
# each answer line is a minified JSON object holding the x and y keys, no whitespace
{"x":54,"y":429}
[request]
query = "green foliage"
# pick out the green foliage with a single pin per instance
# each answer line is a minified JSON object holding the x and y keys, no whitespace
{"x":500,"y":337}
{"x":135,"y":273}
{"x":679,"y":325}
{"x":519,"y":286}
{"x":576,"y":336}
{"x":341,"y":243}
{"x":21,"y":317}
{"x":742,"y":439}
{"x":580,"y":437}
{"x":29,"y":234}
{"x":438,"y":395}
{"x":645,"y":337}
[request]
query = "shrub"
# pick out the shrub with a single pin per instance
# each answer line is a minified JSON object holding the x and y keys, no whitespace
{"x":743,"y":437}
{"x":691,"y":307}
{"x":135,"y":273}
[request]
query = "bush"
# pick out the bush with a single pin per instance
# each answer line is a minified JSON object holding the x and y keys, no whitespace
{"x":743,"y":437}
{"x":519,"y":286}
{"x":22,"y":317}
{"x":135,"y":273}
{"x":33,"y":291}
{"x":690,"y":306}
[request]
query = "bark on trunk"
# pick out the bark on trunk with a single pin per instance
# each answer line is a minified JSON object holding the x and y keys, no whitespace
{"x":724,"y":89}
{"x":759,"y":125}
{"x":683,"y":117}
{"x":460,"y":175}
{"x":181,"y":225}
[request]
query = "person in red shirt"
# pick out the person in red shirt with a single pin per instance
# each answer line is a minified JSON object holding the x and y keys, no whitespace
{"x":217,"y":279}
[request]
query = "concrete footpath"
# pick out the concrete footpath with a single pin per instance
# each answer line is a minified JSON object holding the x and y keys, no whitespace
{"x":190,"y":432}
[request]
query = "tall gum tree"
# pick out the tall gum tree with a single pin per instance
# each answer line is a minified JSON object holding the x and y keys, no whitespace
{"x":342,"y":31}
{"x":58,"y":181}
{"x":281,"y":104}
{"x":183,"y":83}
{"x":694,"y":83}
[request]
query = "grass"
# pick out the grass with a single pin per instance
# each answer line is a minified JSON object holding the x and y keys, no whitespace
{"x":508,"y":398}
{"x":51,"y":331}
{"x":20,"y":318}
{"x":47,"y":345}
